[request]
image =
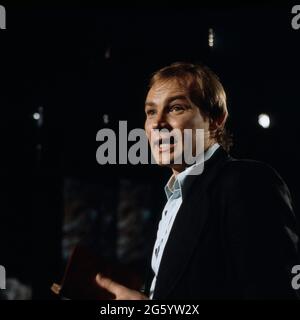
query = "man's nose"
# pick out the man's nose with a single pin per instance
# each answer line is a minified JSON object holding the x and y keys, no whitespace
{"x":160,"y":121}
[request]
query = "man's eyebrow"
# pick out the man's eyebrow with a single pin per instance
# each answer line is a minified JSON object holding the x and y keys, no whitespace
{"x":177,"y":97}
{"x":168,"y":100}
{"x":150,"y":104}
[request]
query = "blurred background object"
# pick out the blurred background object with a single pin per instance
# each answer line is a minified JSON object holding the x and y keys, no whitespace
{"x":15,"y":290}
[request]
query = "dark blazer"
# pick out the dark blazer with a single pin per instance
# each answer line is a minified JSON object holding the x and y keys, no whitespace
{"x":234,"y":236}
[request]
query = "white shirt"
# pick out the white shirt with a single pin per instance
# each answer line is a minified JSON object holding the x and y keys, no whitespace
{"x":175,"y":190}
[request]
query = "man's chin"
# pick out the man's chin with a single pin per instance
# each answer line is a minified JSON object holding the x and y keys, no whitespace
{"x":167,"y":165}
{"x":164,"y":161}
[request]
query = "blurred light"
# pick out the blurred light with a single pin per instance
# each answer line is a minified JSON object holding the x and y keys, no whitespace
{"x":106,"y":118}
{"x":107,"y":53}
{"x":210,"y":37}
{"x":264,"y":120}
{"x":36,"y":116}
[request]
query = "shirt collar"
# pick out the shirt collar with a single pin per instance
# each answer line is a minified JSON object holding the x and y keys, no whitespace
{"x":178,"y":185}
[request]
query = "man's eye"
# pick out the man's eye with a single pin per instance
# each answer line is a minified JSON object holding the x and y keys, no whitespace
{"x":150,"y":112}
{"x":176,"y":108}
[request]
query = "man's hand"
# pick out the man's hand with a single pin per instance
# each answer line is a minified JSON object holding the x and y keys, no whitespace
{"x":120,"y":292}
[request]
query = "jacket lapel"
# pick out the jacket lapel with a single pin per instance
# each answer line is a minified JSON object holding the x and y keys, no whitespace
{"x":187,"y":228}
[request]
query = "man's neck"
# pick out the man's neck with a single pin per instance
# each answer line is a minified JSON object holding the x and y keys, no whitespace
{"x":176,"y":169}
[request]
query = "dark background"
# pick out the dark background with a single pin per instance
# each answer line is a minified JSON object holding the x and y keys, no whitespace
{"x":57,"y":57}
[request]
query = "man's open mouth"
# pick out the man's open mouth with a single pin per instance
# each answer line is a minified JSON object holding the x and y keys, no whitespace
{"x":164,"y":144}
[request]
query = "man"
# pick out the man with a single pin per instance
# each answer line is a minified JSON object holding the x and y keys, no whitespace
{"x":228,"y":232}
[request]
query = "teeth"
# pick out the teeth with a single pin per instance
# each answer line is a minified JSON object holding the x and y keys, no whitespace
{"x":167,"y":141}
{"x":164,"y":144}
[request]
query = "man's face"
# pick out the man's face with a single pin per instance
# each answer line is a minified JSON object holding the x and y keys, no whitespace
{"x":168,"y":107}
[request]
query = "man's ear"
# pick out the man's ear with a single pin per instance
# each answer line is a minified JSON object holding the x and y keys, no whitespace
{"x":215,"y":124}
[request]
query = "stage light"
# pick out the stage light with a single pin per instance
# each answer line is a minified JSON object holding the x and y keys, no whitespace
{"x":107,"y":53}
{"x":264,"y":120}
{"x":210,"y":37}
{"x":106,"y":118}
{"x":36,"y":116}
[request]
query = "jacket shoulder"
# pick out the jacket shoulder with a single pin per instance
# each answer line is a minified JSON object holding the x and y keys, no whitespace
{"x":250,"y":179}
{"x":237,"y":170}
